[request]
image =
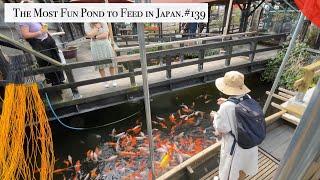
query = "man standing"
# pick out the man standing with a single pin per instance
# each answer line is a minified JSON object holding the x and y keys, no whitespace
{"x":235,"y":162}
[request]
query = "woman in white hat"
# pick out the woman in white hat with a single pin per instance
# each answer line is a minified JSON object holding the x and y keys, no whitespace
{"x":242,"y":162}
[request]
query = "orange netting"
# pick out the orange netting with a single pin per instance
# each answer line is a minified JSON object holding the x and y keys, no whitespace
{"x":26,"y":146}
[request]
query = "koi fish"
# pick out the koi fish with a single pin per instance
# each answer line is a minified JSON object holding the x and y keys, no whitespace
{"x":160,"y":118}
{"x":180,"y":135}
{"x":126,"y":153}
{"x":163,"y":125}
{"x":179,"y":157}
{"x":142,"y":134}
{"x":139,"y":138}
{"x":111,"y":144}
{"x":77,"y":167}
{"x":111,"y":158}
{"x":120,"y":135}
{"x":172,"y":118}
{"x":89,"y":154}
{"x":165,"y":161}
{"x":185,"y":108}
{"x":137,"y":129}
{"x":70,"y":159}
{"x":113,"y":132}
{"x":208,"y":101}
{"x":183,"y":116}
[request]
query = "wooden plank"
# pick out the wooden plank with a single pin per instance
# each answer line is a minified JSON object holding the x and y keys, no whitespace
{"x":285,"y":95}
{"x":290,"y":118}
{"x":264,"y":168}
{"x":287,"y":91}
{"x":269,"y":173}
{"x":277,"y":106}
{"x":277,"y":96}
{"x":210,"y":149}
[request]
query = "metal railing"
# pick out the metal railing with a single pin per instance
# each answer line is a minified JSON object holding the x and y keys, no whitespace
{"x":164,"y":56}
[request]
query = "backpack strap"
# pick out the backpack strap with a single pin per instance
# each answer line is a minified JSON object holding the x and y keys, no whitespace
{"x":233,"y":144}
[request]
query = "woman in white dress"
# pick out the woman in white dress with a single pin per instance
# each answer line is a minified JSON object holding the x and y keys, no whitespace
{"x":101,"y":48}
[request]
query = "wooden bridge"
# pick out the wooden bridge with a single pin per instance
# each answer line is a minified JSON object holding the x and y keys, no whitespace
{"x":245,"y":53}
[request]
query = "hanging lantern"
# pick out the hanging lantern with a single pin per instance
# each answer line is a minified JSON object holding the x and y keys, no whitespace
{"x":311,"y":9}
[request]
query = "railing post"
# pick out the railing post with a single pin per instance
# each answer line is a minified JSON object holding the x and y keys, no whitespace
{"x":71,"y":79}
{"x":228,"y":51}
{"x":168,"y":64}
{"x":200,"y":59}
{"x":253,"y":47}
{"x":132,"y":76}
{"x":181,"y":54}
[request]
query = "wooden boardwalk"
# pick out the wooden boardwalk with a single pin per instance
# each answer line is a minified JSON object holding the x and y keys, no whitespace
{"x":267,"y":168}
{"x":245,"y":54}
{"x":87,"y":73}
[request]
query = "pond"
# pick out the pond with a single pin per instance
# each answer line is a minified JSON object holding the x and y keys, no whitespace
{"x":174,"y":126}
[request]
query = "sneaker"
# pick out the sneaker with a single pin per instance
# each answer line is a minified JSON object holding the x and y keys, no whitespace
{"x":106,"y":85}
{"x":77,"y":96}
{"x":114,"y":83}
{"x":215,"y":178}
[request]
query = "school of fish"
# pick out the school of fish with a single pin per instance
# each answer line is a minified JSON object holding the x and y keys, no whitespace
{"x":176,"y":136}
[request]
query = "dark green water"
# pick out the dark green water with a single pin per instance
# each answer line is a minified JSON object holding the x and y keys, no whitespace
{"x":76,"y":143}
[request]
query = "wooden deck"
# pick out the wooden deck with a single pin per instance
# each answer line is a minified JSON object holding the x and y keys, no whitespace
{"x":267,"y":168}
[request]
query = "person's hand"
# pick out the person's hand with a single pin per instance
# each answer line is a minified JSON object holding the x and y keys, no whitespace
{"x":221,"y":100}
{"x":95,"y":30}
{"x":44,"y":28}
{"x":212,"y":113}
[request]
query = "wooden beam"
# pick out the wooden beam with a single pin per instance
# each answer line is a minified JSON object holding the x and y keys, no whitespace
{"x":29,"y":50}
{"x":277,"y":96}
{"x":277,"y":106}
{"x":206,"y":152}
{"x":287,"y":91}
{"x":285,"y":95}
{"x":270,"y":119}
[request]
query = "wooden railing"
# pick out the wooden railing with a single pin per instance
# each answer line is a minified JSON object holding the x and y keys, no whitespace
{"x":165,"y":57}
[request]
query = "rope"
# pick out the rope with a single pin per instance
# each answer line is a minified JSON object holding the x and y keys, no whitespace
{"x":84,"y":128}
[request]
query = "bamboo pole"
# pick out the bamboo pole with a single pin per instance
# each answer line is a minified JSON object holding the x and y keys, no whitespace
{"x":270,"y":119}
{"x":277,"y":96}
{"x":284,"y":61}
{"x":287,"y":91}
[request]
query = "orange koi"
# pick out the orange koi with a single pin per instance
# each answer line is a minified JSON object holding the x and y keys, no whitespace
{"x":127,"y":153}
{"x":113,"y":144}
{"x":163,"y":125}
{"x":77,"y":166}
{"x":172,"y":118}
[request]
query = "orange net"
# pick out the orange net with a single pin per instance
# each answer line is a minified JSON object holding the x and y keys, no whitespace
{"x":26,"y":146}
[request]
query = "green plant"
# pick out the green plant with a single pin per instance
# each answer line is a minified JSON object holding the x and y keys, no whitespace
{"x":298,"y":58}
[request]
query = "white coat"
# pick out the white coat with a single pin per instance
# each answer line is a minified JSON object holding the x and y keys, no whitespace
{"x":242,"y":159}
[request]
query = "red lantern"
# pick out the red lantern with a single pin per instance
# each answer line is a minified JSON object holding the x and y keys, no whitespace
{"x":311,"y":9}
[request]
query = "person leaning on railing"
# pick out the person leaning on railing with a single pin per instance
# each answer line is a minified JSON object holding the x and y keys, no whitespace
{"x":36,"y":34}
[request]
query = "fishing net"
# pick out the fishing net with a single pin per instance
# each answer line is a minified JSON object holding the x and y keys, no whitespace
{"x":26,"y":146}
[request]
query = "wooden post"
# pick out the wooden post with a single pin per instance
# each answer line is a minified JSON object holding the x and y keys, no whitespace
{"x":181,"y":54}
{"x":209,"y":14}
{"x":253,"y":47}
{"x":132,"y":77}
{"x":168,"y":64}
{"x":201,"y":57}
{"x":228,"y":51}
{"x":71,"y":79}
